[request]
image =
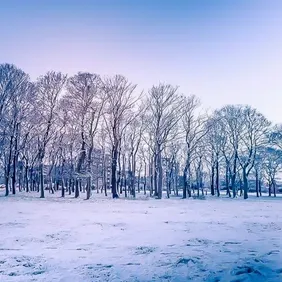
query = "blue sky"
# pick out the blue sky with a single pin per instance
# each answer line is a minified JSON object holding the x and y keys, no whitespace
{"x":224,"y":51}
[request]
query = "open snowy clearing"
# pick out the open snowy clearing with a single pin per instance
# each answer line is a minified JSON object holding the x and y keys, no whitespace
{"x":57,"y":239}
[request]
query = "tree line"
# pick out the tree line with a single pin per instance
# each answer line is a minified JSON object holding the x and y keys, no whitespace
{"x":85,"y":132}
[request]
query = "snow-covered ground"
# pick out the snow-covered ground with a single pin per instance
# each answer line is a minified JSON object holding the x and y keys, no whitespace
{"x":71,"y":240}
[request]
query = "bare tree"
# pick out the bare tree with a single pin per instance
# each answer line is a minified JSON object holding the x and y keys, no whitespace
{"x":119,"y":114}
{"x":259,"y":168}
{"x":165,"y":111}
{"x":254,"y":135}
{"x":103,"y":146}
{"x":272,"y":165}
{"x":86,"y":100}
{"x":216,"y":139}
{"x":171,"y":154}
{"x":14,"y":86}
{"x":49,"y":88}
{"x":195,"y":129}
{"x":134,"y":137}
{"x":231,"y":120}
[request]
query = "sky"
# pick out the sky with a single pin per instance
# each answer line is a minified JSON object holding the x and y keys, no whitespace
{"x":223,"y":51}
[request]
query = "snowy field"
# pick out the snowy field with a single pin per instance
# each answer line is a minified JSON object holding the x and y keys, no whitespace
{"x":72,"y":240}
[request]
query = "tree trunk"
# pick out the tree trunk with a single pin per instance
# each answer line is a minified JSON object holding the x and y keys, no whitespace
{"x":89,"y":178}
{"x":125,"y":186}
{"x":176,"y":181}
{"x":41,"y":177}
{"x":189,"y":182}
{"x":119,"y":170}
{"x":167,"y":185}
{"x":185,"y":184}
{"x":233,"y":178}
{"x":121,"y":185}
{"x":217,"y":177}
{"x":170,"y":178}
{"x":15,"y":157}
{"x":80,"y":162}
{"x":227,"y":180}
{"x":63,"y":188}
{"x":212,"y":181}
{"x":26,"y":178}
{"x":57,"y":185}
{"x":145,"y":178}
{"x":187,"y":179}
{"x":155,"y":176}
{"x":20,"y":177}
{"x":257,"y":183}
{"x":104,"y":174}
{"x":88,"y":188}
{"x":8,"y":167}
{"x":119,"y":181}
{"x":138,"y":182}
{"x":151,"y":177}
{"x":70,"y":185}
{"x":160,"y":180}
{"x":123,"y":173}
{"x":114,"y":172}
{"x":274,"y":187}
{"x":73,"y":185}
{"x":159,"y":174}
{"x":133,"y":177}
{"x":105,"y":189}
{"x":269,"y":188}
{"x":76,"y":193}
{"x":130,"y":181}
{"x":105,"y":183}
{"x":37,"y":180}
{"x":32,"y":181}
{"x":245,"y":181}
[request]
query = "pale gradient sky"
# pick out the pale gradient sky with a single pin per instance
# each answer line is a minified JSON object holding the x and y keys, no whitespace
{"x":224,"y":51}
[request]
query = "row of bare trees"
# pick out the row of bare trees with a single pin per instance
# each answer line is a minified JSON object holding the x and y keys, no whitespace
{"x":84,"y":132}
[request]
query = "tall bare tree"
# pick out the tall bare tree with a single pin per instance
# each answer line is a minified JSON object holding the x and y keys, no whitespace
{"x":195,"y":129}
{"x":13,"y":89}
{"x":86,"y":100}
{"x":119,"y":114}
{"x":49,"y":87}
{"x":253,"y":136}
{"x":165,"y":111}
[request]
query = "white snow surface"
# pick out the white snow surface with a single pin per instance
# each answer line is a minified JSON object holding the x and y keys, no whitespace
{"x":73,"y":240}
